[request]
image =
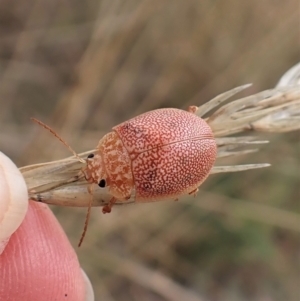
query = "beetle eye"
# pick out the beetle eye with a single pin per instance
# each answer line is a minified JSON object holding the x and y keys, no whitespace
{"x":90,"y":156}
{"x":102,"y":183}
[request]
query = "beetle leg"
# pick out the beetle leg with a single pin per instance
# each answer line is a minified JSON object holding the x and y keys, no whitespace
{"x":107,"y":208}
{"x":192,"y":109}
{"x":194,"y":192}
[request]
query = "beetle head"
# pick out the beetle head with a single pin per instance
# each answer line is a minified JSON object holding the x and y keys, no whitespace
{"x":94,"y":171}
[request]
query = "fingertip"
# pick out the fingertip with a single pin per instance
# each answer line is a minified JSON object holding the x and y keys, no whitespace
{"x":13,"y":199}
{"x":89,"y":292}
{"x":39,"y":263}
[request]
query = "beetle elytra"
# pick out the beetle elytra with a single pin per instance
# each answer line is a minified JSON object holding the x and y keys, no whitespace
{"x":161,"y":154}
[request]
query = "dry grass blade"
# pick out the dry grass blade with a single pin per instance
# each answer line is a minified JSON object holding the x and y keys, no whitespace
{"x":291,"y":77}
{"x":238,"y":140}
{"x":274,"y":110}
{"x":234,"y":146}
{"x":38,"y":175}
{"x":205,"y":108}
{"x":235,"y":168}
{"x":223,"y":153}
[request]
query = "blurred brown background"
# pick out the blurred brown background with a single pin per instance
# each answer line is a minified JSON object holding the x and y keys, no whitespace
{"x":84,"y":66}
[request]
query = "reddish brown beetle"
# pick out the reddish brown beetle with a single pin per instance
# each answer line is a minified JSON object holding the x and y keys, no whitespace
{"x":161,"y":154}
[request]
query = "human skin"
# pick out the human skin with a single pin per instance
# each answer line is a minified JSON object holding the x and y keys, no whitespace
{"x":39,"y":263}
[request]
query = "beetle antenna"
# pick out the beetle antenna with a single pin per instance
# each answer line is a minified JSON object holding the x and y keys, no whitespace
{"x":58,"y":137}
{"x":88,"y":214}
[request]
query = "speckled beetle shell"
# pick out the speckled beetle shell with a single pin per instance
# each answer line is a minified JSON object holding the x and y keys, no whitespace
{"x":162,"y":154}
